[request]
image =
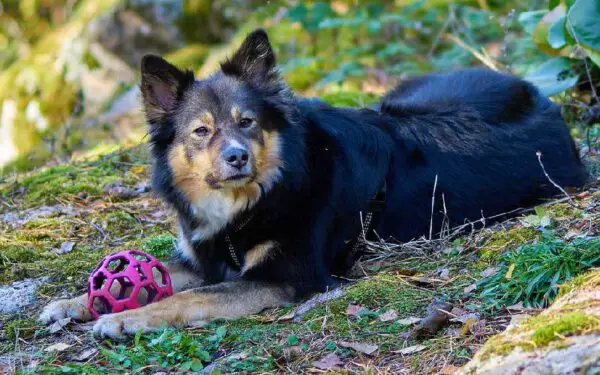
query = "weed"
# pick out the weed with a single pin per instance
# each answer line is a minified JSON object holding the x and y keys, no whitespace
{"x":532,"y":272}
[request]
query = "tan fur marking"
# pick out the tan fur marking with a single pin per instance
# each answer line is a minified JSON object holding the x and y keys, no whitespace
{"x":235,"y":113}
{"x":195,"y":307}
{"x":207,"y":118}
{"x":189,"y":174}
{"x":258,"y":254}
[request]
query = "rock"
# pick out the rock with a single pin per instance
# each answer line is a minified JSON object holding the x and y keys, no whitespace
{"x":563,"y":339}
{"x":20,"y":218}
{"x":18,"y":295}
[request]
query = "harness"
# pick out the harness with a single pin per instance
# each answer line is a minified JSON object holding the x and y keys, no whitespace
{"x":374,"y":206}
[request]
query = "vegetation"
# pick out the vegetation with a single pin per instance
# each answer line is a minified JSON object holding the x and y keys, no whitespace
{"x":78,"y":175}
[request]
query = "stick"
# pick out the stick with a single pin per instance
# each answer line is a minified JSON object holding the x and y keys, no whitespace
{"x":432,"y":207}
{"x":539,"y":156}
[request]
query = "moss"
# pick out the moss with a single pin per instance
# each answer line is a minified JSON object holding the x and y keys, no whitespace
{"x":349,"y":99}
{"x":501,"y":240}
{"x":564,"y":325}
{"x":19,"y":328}
{"x":377,"y":295}
{"x":159,"y":246}
{"x":585,"y":279}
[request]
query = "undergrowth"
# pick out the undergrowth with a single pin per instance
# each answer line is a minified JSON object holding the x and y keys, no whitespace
{"x":531,"y":273}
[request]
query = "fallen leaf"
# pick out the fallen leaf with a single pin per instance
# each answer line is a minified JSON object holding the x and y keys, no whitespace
{"x":443,"y":273}
{"x":330,"y":361}
{"x":489,"y":272}
{"x":478,"y":328}
{"x":467,"y":325}
{"x":355,"y":310}
{"x":58,"y":347}
{"x":572,"y":233}
{"x":388,"y":316}
{"x":448,"y":370}
{"x":65,"y":247}
{"x":58,"y":325}
{"x":411,"y":349}
{"x":463,"y":318}
{"x":437,"y":317}
{"x":409,"y":321}
{"x":510,"y":271}
{"x":360,"y":347}
{"x":470,"y":288}
{"x":516,"y":306}
{"x":583,"y":195}
{"x":85,"y":355}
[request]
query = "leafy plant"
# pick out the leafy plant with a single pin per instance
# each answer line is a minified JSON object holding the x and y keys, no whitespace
{"x":531,"y":273}
{"x":569,"y":32}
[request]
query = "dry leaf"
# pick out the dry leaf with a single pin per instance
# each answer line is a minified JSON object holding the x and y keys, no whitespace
{"x":360,"y":347}
{"x":355,"y":310}
{"x":389,"y":316}
{"x":85,"y":355}
{"x":58,"y":325}
{"x":510,"y":271}
{"x":65,"y":247}
{"x":58,"y":347}
{"x":470,"y":288}
{"x":437,"y":317}
{"x":330,"y":361}
{"x":443,"y":273}
{"x":467,"y":326}
{"x":478,"y":328}
{"x":411,"y":349}
{"x":516,"y":306}
{"x":448,"y":370}
{"x":489,"y":272}
{"x":409,"y":321}
{"x":462,"y":318}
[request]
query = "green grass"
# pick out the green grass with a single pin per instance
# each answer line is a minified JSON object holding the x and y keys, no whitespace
{"x":531,"y":273}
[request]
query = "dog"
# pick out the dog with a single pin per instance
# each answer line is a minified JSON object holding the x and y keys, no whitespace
{"x":272,"y":190}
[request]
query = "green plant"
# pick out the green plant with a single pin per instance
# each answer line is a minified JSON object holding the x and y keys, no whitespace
{"x":531,"y":273}
{"x":569,"y":32}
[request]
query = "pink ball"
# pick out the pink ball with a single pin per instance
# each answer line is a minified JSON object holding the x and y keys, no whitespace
{"x":127,"y":280}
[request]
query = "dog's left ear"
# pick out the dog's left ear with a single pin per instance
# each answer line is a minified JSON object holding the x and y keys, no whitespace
{"x":254,"y":61}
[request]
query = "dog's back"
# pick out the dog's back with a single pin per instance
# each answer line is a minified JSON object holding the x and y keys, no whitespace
{"x":478,"y":132}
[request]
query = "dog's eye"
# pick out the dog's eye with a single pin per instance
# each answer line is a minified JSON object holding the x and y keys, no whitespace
{"x":201,"y":131}
{"x":246,"y":123}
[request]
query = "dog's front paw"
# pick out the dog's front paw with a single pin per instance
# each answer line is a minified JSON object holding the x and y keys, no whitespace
{"x":117,"y":326}
{"x":75,"y":308}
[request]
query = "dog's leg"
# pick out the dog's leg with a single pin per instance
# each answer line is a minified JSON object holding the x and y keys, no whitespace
{"x":196,"y":307}
{"x":76,"y":308}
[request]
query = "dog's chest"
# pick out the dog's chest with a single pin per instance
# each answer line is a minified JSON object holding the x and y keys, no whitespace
{"x":214,"y":213}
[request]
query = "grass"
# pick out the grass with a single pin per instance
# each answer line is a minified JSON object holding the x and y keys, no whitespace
{"x":531,"y":273}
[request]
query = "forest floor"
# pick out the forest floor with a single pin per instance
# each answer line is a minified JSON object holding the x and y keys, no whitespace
{"x":57,"y":222}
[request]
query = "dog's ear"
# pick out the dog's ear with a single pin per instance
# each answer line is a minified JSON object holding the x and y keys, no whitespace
{"x":162,"y":85}
{"x":254,"y":61}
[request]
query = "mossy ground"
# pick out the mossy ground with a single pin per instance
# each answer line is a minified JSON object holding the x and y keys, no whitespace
{"x":100,"y":223}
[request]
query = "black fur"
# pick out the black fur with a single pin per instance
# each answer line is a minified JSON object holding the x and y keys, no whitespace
{"x":477,"y":130}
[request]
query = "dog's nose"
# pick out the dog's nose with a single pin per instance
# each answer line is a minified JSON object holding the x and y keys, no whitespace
{"x":236,"y":157}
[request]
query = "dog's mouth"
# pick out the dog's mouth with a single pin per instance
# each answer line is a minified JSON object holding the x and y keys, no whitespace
{"x":234,"y":180}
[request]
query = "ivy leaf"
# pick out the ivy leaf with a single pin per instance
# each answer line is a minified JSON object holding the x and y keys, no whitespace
{"x":554,"y":76}
{"x":583,"y":25}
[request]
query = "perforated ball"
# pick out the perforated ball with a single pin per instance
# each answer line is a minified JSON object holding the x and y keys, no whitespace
{"x":127,"y":280}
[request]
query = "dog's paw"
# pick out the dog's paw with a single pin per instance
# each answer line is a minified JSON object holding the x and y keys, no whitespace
{"x":74,"y":308}
{"x":117,"y":326}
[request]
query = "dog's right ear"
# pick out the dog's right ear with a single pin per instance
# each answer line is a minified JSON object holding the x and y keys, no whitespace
{"x":162,"y":86}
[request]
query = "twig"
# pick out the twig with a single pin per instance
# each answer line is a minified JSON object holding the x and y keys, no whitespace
{"x":587,"y":68}
{"x":486,"y":60}
{"x":539,"y":157}
{"x":432,"y":207}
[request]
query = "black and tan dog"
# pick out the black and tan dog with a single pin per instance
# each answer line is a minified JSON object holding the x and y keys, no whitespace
{"x":269,"y":187}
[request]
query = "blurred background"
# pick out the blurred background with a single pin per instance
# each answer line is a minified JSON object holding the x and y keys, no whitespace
{"x":69,"y":68}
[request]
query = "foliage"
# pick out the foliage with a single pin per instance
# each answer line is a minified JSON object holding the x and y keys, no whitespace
{"x":531,"y":273}
{"x":568,"y":31}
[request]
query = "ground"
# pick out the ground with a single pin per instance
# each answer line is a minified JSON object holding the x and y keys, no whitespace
{"x":57,"y":222}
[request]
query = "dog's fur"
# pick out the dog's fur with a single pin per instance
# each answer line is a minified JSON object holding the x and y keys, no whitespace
{"x":269,"y":187}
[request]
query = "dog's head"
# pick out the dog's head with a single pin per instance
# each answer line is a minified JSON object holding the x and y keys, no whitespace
{"x":221,"y":133}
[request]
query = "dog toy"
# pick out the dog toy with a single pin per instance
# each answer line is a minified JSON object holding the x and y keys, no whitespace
{"x":127,"y":280}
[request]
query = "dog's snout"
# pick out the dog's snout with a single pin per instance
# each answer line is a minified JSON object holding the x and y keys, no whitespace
{"x":236,"y":157}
